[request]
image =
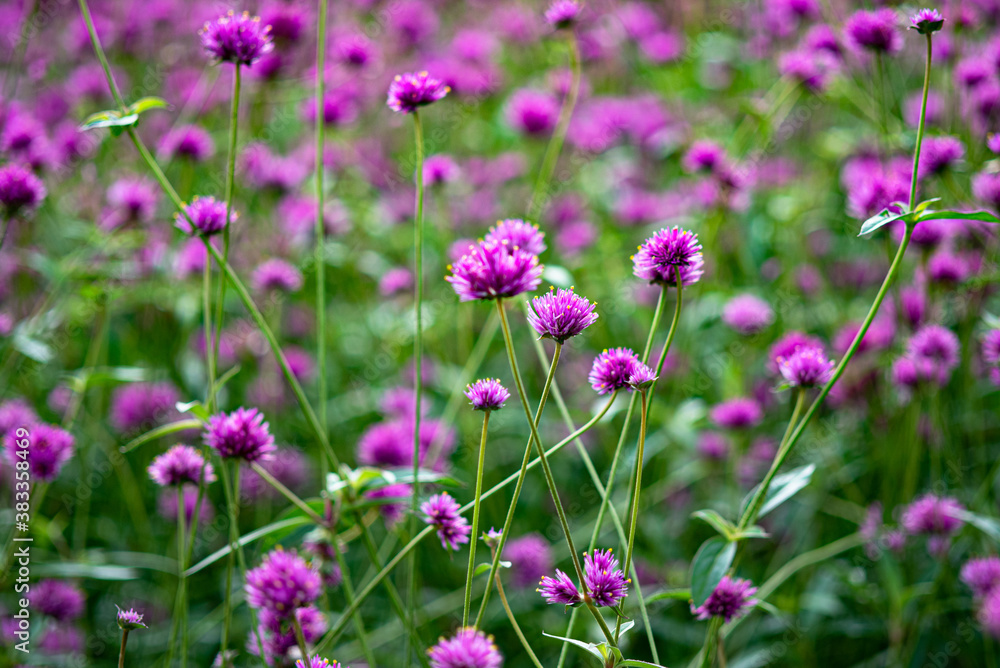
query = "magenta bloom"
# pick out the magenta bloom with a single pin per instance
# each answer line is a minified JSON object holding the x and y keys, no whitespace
{"x":933,"y":515}
{"x":665,"y":254}
{"x":611,"y":370}
{"x":642,"y":377}
{"x":408,"y":92}
{"x":784,"y":347}
{"x":442,"y":512}
{"x":237,"y":38}
{"x":317,"y":662}
{"x":982,"y":575}
{"x":50,"y":448}
{"x":189,"y":141}
{"x":282,"y":583}
{"x":703,"y":156}
{"x":605,"y":581}
{"x":487,"y":395}
{"x":530,"y":557}
{"x":20,"y":189}
{"x":563,"y":13}
{"x":738,"y":413}
{"x":927,"y":21}
{"x":440,"y":169}
{"x":277,"y":274}
{"x":731,"y":599}
{"x":806,"y":367}
{"x":559,"y":590}
{"x":129,"y":620}
{"x":139,"y":406}
{"x":986,"y":188}
{"x":561,"y":315}
{"x":747,"y":314}
{"x":991,"y":354}
{"x":532,"y":112}
{"x":242,"y":434}
{"x":936,"y":352}
{"x":58,"y":599}
{"x":938,"y":154}
{"x":468,"y":648}
{"x":178,"y":465}
{"x":207,"y":214}
{"x":874,"y":30}
{"x":515,"y":233}
{"x":491,"y":270}
{"x":278,"y":635}
{"x":989,"y":613}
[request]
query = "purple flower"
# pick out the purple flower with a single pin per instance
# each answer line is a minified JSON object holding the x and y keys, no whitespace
{"x":139,"y":406}
{"x":986,"y":188}
{"x":989,"y":613}
{"x":563,"y":13}
{"x":282,"y":583}
{"x":442,"y":512}
{"x":532,"y":112}
{"x":49,"y":449}
{"x":487,"y":395}
{"x":982,"y":575}
{"x":806,"y":367}
{"x":237,"y":38}
{"x":440,"y":169}
{"x":276,"y":274}
{"x":391,"y":512}
{"x":938,"y":154}
{"x":491,"y":270}
{"x":58,"y":599}
{"x":408,"y":92}
{"x":605,"y":581}
{"x":189,"y":141}
{"x":738,"y":413}
{"x":178,"y":465}
{"x":20,"y":189}
{"x":129,"y":620}
{"x":468,"y":648}
{"x":559,"y":590}
{"x":131,"y":200}
{"x":991,"y":355}
{"x":514,"y":233}
{"x":927,"y":21}
{"x":731,"y":599}
{"x":642,"y":377}
{"x":612,"y":369}
{"x":561,"y":315}
{"x":242,"y":434}
{"x":784,"y":347}
{"x":15,"y":413}
{"x":713,"y":445}
{"x":667,"y":253}
{"x":874,"y":30}
{"x":208,"y":216}
{"x":936,"y":350}
{"x":317,"y":662}
{"x":530,"y":557}
{"x":278,"y":635}
{"x":394,"y":281}
{"x":747,"y":314}
{"x":933,"y":515}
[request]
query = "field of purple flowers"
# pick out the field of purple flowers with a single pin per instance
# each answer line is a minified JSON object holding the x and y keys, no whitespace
{"x":517,"y":333}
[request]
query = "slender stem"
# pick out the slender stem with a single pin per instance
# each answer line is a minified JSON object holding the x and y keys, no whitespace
{"x":288,"y":494}
{"x":121,"y":654}
{"x":196,"y":515}
{"x":92,"y":32}
{"x":300,"y":638}
{"x":555,"y":145}
{"x":920,"y":125}
{"x":475,"y":522}
{"x":182,"y":578}
{"x":634,"y":509}
{"x":15,"y":66}
{"x":4,"y":226}
{"x":234,"y":118}
{"x":233,"y":543}
{"x":318,"y":250}
{"x":514,"y":624}
{"x":600,"y":621}
{"x":209,"y":348}
{"x":348,"y":584}
{"x":711,"y":642}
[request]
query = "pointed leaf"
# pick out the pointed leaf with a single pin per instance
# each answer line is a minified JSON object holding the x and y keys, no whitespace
{"x":987,"y":525}
{"x":627,"y":626}
{"x":670,"y":595}
{"x":713,"y":559}
{"x":486,"y":566}
{"x":880,"y":219}
{"x":926,"y":203}
{"x":640,"y":664}
{"x":716,"y":521}
{"x":195,"y":408}
{"x":147,"y":103}
{"x":984,"y":216}
{"x":587,"y":646}
{"x":783,"y":487}
{"x":109,"y":119}
{"x":750,"y":532}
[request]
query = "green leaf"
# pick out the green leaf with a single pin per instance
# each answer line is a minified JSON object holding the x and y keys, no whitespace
{"x":225,"y":378}
{"x":161,"y":431}
{"x":195,"y":408}
{"x":725,"y":528}
{"x":107,"y":572}
{"x":31,"y":347}
{"x":987,"y":525}
{"x":880,"y":219}
{"x":145,"y":104}
{"x":588,"y":646}
{"x":108,"y":119}
{"x":926,"y":203}
{"x":713,"y":559}
{"x":984,"y":216}
{"x":750,"y":532}
{"x":245,"y":540}
{"x":627,"y":626}
{"x":783,"y":487}
{"x":487,"y":566}
{"x":670,"y":595}
{"x":640,"y":664}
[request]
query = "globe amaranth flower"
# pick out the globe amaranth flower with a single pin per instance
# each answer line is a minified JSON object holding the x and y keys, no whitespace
{"x":491,"y":270}
{"x":934,"y":515}
{"x":731,"y":599}
{"x":191,"y":142}
{"x":611,"y":370}
{"x":408,"y":92}
{"x":989,"y":613}
{"x":515,"y":233}
{"x":178,"y":465}
{"x":276,"y":274}
{"x":140,"y":406}
{"x":806,"y":367}
{"x":561,"y":315}
{"x":530,"y":558}
{"x":440,"y":169}
{"x":278,"y":633}
{"x":784,"y":347}
{"x":207,"y":214}
{"x":129,"y":620}
{"x":642,"y":377}
{"x":242,"y":434}
{"x":237,"y":38}
{"x":665,"y":254}
{"x":442,"y":511}
{"x":58,"y":599}
{"x":20,"y":189}
{"x":936,"y":351}
{"x":990,"y":343}
{"x":559,"y":590}
{"x":982,"y":575}
{"x":738,"y":413}
{"x":468,"y":648}
{"x":317,"y":662}
{"x":747,"y":314}
{"x":49,"y":449}
{"x":282,"y":583}
{"x":927,"y":21}
{"x":532,"y":112}
{"x":605,"y":581}
{"x":487,"y":394}
{"x":563,"y":13}
{"x":938,"y":154}
{"x":874,"y":30}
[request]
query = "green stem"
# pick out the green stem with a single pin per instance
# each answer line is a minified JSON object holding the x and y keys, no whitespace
{"x":634,"y":509}
{"x":318,"y":250}
{"x":182,"y":583}
{"x":121,"y":653}
{"x":234,"y":118}
{"x":288,"y":494}
{"x":711,"y":642}
{"x":233,"y":543}
{"x":348,"y":584}
{"x":92,"y":32}
{"x":300,"y":638}
{"x":920,"y":124}
{"x":209,"y":348}
{"x":600,"y":621}
{"x":475,"y":522}
{"x":513,"y":621}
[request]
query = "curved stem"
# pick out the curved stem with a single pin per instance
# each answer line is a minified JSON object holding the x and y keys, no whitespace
{"x":300,"y":638}
{"x":475,"y":522}
{"x":359,"y":625}
{"x":920,"y":124}
{"x":288,"y":494}
{"x":234,"y":117}
{"x":206,"y":296}
{"x":634,"y":509}
{"x":318,"y":249}
{"x":514,"y":624}
{"x":600,"y":621}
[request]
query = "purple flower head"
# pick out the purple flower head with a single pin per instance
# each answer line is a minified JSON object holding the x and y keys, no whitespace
{"x":514,"y":233}
{"x":468,"y":648}
{"x":530,"y":557}
{"x":237,"y":38}
{"x":242,"y":434}
{"x":440,"y":169}
{"x":207,"y":214}
{"x":927,"y":21}
{"x":391,"y":511}
{"x":703,"y":156}
{"x":991,"y":354}
{"x":874,"y":30}
{"x":408,"y":92}
{"x":665,"y":254}
{"x":491,"y":270}
{"x":139,"y":406}
{"x":738,"y":413}
{"x":982,"y":575}
{"x":58,"y":599}
{"x":276,"y":274}
{"x":15,"y":413}
{"x":532,"y":112}
{"x":936,"y":350}
{"x":178,"y":465}
{"x":559,"y":590}
{"x":612,"y":369}
{"x":989,"y":613}
{"x":747,"y":314}
{"x":20,"y":189}
{"x":442,"y":512}
{"x":806,"y":367}
{"x":563,"y":13}
{"x":938,"y":154}
{"x":282,"y":583}
{"x":642,"y":377}
{"x":49,"y":449}
{"x":487,"y":394}
{"x":561,"y":315}
{"x":492,"y":537}
{"x":129,"y":620}
{"x":784,"y":347}
{"x":713,"y":445}
{"x":993,"y":142}
{"x":731,"y":599}
{"x":986,"y":188}
{"x":192,"y":142}
{"x":317,"y":662}
{"x":605,"y":581}
{"x":933,"y":515}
